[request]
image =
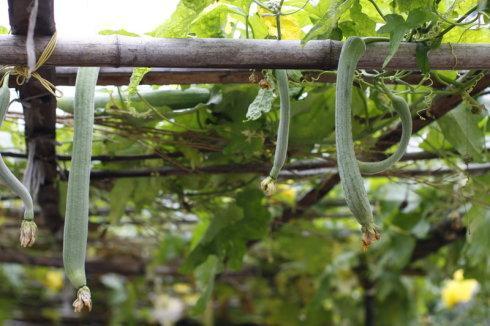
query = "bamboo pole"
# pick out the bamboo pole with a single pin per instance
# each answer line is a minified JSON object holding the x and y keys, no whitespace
{"x":117,"y":51}
{"x":65,"y":76}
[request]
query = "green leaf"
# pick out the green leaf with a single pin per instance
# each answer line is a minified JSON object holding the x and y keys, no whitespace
{"x":295,"y":75}
{"x":194,"y":156}
{"x":422,"y":58}
{"x":406,"y":6}
{"x":461,"y":129}
{"x":418,"y":17}
{"x":364,"y":25}
{"x":231,"y":228}
{"x":325,"y":25}
{"x":261,"y":104}
{"x":397,"y":27}
{"x":118,"y":198}
{"x":397,"y":301}
{"x":396,"y":252}
{"x":317,"y":112}
{"x":461,"y":34}
{"x":222,"y":220}
{"x":435,"y":141}
{"x":205,"y":276}
{"x":4,"y":30}
{"x":341,"y":263}
{"x":212,"y":20}
{"x":178,"y":25}
{"x":478,"y":235}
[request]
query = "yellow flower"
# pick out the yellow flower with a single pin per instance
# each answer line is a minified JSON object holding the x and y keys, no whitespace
{"x":285,"y":194}
{"x":290,"y":28}
{"x":458,"y":290}
{"x":54,"y":280}
{"x":182,"y":288}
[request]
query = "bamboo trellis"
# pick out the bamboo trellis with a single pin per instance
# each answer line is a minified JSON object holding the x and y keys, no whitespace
{"x":122,"y":51}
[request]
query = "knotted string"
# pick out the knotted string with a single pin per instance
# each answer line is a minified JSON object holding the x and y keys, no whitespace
{"x":22,"y":73}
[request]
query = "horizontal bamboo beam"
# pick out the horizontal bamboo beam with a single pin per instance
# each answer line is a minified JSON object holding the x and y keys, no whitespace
{"x":66,"y":76}
{"x":166,"y":76}
{"x":117,"y":51}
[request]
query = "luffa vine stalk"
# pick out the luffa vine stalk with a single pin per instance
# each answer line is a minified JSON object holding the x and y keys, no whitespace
{"x":77,"y":203}
{"x":28,"y":227}
{"x":350,"y":175}
{"x":269,"y":184}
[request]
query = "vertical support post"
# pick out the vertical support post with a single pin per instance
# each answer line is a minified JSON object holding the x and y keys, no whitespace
{"x":39,"y":108}
{"x":40,"y":113}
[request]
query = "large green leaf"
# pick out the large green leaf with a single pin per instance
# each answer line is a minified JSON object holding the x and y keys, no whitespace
{"x":230,"y":230}
{"x":119,"y":197}
{"x":360,"y":23}
{"x":211,"y":22}
{"x":178,"y":25}
{"x":315,"y":111}
{"x":477,"y":248}
{"x":397,"y":27}
{"x":435,"y":141}
{"x":461,"y":128}
{"x":205,"y":275}
{"x":261,"y":104}
{"x":324,"y":26}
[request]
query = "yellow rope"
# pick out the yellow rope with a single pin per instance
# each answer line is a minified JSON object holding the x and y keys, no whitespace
{"x":23,"y":73}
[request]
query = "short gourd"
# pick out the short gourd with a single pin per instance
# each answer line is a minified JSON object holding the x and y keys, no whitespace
{"x":28,"y":227}
{"x":268,"y":185}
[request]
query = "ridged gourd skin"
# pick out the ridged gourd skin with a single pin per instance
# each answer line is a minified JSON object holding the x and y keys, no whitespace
{"x":350,"y":175}
{"x":268,"y":184}
{"x":28,"y":229}
{"x":77,"y":202}
{"x":403,"y":110}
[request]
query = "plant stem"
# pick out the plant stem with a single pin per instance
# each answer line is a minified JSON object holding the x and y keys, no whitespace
{"x":378,"y":9}
{"x":447,"y":29}
{"x":278,"y":20}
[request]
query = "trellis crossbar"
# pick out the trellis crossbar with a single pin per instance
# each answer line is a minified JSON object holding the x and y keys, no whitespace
{"x":117,"y":51}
